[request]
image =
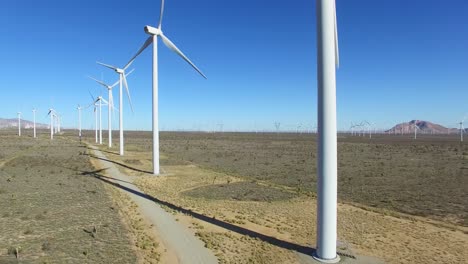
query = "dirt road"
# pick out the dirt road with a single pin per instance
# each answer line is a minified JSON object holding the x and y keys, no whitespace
{"x":175,"y":237}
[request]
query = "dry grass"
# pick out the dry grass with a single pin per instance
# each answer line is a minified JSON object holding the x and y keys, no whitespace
{"x":241,"y":227}
{"x":53,"y":213}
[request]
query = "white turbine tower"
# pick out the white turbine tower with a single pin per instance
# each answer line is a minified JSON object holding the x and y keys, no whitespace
{"x":110,"y":105}
{"x":95,"y":123}
{"x":153,"y":38}
{"x":19,"y":124}
{"x":122,"y":78}
{"x":369,"y":128}
{"x":416,"y":128}
{"x":58,"y":119}
{"x":327,"y":169}
{"x":51,"y":114}
{"x":34,"y":122}
{"x":79,"y":120}
{"x":99,"y":101}
{"x":462,"y":130}
{"x":94,"y":103}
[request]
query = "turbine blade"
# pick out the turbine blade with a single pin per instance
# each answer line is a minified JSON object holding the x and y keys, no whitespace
{"x":107,"y":65}
{"x":173,"y":47}
{"x":132,"y":70}
{"x":337,"y":52}
{"x":128,"y":91}
{"x":148,"y":41}
{"x":88,"y":106}
{"x":111,"y":103}
{"x":113,"y":85}
{"x":98,"y":81}
{"x":91,"y":95}
{"x":161,"y":14}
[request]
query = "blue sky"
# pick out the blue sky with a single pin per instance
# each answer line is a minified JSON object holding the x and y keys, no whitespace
{"x":400,"y":60}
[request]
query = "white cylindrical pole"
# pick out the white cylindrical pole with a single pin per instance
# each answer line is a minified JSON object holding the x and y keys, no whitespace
{"x":155,"y":108}
{"x":79,"y":122}
{"x":121,"y":139}
{"x":109,"y":116}
{"x":100,"y":121}
{"x":95,"y":123}
{"x":19,"y":124}
{"x":461,"y":131}
{"x":51,"y":125}
{"x":327,"y":138}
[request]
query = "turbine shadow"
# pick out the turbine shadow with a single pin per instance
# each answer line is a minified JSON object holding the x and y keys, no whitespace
{"x":106,"y":151}
{"x":212,"y":220}
{"x":119,"y":163}
{"x":96,"y":172}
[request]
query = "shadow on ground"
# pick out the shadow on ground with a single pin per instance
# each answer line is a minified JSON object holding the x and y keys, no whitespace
{"x":212,"y":220}
{"x":120,"y":164}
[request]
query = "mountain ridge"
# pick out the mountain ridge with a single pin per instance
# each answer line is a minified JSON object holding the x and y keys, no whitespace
{"x":26,"y":124}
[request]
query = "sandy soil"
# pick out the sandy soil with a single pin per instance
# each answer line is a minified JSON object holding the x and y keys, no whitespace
{"x":270,"y":232}
{"x":176,"y":237}
{"x":51,"y":212}
{"x":244,"y":227}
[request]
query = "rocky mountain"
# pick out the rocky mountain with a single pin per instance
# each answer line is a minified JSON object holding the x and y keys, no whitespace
{"x":13,"y":122}
{"x":425,"y":127}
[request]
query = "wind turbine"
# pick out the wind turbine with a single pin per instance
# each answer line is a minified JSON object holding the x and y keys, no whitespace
{"x":79,"y":120}
{"x":277,"y":126}
{"x":51,"y":114}
{"x":34,"y":122}
{"x":153,"y":38}
{"x":19,"y":124}
{"x":416,"y":128}
{"x":95,"y":116}
{"x":110,"y":105}
{"x":327,"y":167}
{"x":99,"y":100}
{"x":462,"y":130}
{"x":58,"y":120}
{"x":369,"y":128}
{"x":122,"y":78}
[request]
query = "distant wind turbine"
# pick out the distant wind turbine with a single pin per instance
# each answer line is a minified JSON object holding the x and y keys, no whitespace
{"x":94,"y":103}
{"x":277,"y":126}
{"x":369,"y":128}
{"x":110,"y":105}
{"x":462,"y":130}
{"x":19,"y":124}
{"x":100,"y":100}
{"x":79,"y":120}
{"x":153,"y":38}
{"x":51,"y":114}
{"x":327,"y":167}
{"x":416,"y":128}
{"x":122,"y":79}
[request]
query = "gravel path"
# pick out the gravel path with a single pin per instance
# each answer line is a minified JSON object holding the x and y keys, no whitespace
{"x":176,"y":237}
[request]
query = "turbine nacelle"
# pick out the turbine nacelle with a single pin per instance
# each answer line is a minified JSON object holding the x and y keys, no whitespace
{"x":153,"y":31}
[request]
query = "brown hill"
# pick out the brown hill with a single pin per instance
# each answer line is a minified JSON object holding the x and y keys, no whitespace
{"x":13,"y":122}
{"x":425,"y":127}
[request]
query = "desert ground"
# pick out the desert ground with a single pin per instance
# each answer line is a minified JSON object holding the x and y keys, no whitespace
{"x":249,"y":196}
{"x":53,"y":211}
